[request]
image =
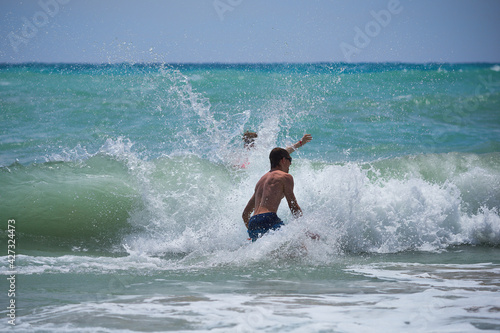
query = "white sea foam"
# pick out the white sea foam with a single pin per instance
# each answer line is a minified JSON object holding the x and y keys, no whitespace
{"x":200,"y":212}
{"x":416,"y":311}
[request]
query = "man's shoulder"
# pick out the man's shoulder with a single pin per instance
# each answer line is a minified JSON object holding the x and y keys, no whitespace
{"x":278,"y":175}
{"x":285,"y":177}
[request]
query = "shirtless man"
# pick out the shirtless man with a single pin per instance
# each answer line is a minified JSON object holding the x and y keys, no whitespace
{"x":269,"y":191}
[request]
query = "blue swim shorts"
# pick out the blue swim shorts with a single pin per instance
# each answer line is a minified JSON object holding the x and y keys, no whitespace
{"x":259,"y":224}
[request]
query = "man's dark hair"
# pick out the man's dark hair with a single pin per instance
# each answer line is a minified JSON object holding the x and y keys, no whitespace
{"x":276,"y":155}
{"x":249,"y":139}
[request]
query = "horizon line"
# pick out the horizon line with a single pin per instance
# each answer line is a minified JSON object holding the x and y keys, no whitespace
{"x":250,"y":63}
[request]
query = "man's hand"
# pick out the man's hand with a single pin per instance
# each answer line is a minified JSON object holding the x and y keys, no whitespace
{"x":306,"y":138}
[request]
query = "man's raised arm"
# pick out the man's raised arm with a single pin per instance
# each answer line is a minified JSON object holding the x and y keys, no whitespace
{"x":305,"y":139}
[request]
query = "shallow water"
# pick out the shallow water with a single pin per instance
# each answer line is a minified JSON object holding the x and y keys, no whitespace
{"x":126,"y":188}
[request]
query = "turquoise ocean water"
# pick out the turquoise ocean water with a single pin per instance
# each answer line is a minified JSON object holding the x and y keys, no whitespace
{"x":126,"y":188}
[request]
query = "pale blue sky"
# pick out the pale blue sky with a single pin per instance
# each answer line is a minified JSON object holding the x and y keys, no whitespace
{"x":242,"y":31}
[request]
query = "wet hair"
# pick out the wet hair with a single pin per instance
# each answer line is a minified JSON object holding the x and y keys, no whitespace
{"x":249,"y":138}
{"x":276,"y":155}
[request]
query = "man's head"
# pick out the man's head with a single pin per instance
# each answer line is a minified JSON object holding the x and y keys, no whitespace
{"x":277,"y":155}
{"x":249,"y":139}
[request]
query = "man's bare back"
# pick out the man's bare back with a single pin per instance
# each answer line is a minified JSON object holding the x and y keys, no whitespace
{"x":270,"y":189}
